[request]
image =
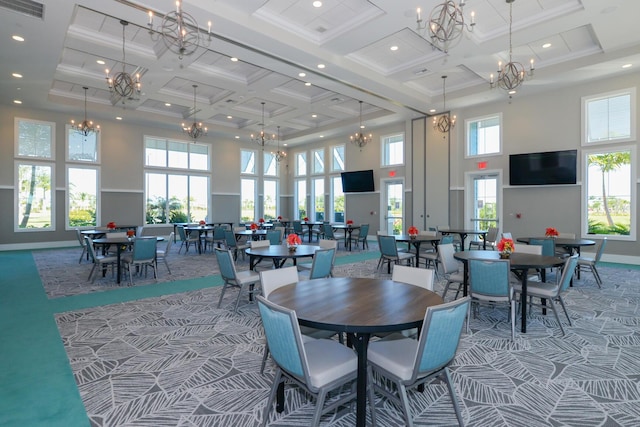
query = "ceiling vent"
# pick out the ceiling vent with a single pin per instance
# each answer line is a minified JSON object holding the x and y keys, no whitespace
{"x":25,"y":7}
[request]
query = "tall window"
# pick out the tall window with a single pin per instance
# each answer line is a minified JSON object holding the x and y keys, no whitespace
{"x":609,"y":117}
{"x":35,"y":183}
{"x":176,"y":181}
{"x":83,"y":196}
{"x":337,"y":158}
{"x":270,"y":199}
{"x":318,"y":160}
{"x":609,"y":193}
{"x":248,"y":195}
{"x":301,"y":164}
{"x":247,"y":162}
{"x":337,"y":199}
{"x":318,"y":199}
{"x":393,"y":150}
{"x":300,"y":199}
{"x":484,"y":135}
{"x":270,"y":164}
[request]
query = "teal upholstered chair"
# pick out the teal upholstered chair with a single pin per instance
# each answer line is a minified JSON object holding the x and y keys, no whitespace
{"x":330,"y":234}
{"x":186,"y":239}
{"x":552,"y":292}
{"x":389,"y":253}
{"x":317,"y":366}
{"x":233,"y":245}
{"x":143,"y":255}
{"x":321,"y":266}
{"x":489,"y":284}
{"x":274,"y":237}
{"x":234,"y":279}
{"x":360,"y":236}
{"x":163,"y":253}
{"x":407,"y":363}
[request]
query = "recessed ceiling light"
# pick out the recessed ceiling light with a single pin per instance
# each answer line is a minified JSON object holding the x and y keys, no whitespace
{"x":394,"y":48}
{"x":546,"y":45}
{"x":17,"y":101}
{"x":627,"y":65}
{"x":433,"y":110}
{"x":233,"y":59}
{"x":307,"y":84}
{"x":317,"y":3}
{"x":100,"y":61}
{"x":17,"y":75}
{"x":167,"y":104}
{"x":314,"y":115}
{"x":285,"y":144}
{"x":321,"y":66}
{"x":302,"y":74}
{"x":229,"y":117}
{"x":321,"y":136}
{"x":118,"y":118}
{"x":17,"y":38}
{"x":238,"y":137}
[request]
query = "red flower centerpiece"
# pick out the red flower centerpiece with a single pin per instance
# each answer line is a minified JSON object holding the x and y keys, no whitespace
{"x":261,"y":220}
{"x":551,"y":232}
{"x":506,"y":247}
{"x":111,"y":225}
{"x":279,"y":217}
{"x":202,"y":222}
{"x":293,"y":240}
{"x":253,"y":227}
{"x":413,"y":232}
{"x":349,"y":222}
{"x":305,"y":219}
{"x":130,"y":234}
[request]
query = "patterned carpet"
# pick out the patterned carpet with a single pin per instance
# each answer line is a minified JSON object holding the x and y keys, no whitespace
{"x":177,"y":360}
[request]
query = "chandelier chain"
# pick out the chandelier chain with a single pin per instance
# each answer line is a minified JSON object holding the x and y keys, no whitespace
{"x":195,"y":130}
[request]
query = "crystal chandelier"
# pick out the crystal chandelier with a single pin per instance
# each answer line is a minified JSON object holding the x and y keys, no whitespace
{"x":446,"y":24}
{"x":262,"y":138}
{"x":122,"y":83}
{"x":85,"y":128}
{"x":179,"y":31}
{"x":512,"y":74}
{"x":359,"y":139}
{"x":444,"y":123}
{"x":279,"y":155}
{"x":195,"y":130}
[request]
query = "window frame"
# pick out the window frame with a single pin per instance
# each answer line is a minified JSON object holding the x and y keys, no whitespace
{"x":68,"y":131}
{"x":297,"y":166}
{"x":312,"y":166}
{"x":255,"y":162}
{"x":276,"y":182}
{"x":98,"y":218}
{"x":16,"y":133}
{"x":52,"y":194}
{"x":333,"y":157}
{"x":467,"y":142}
{"x":385,"y":161}
{"x":633,"y":196}
{"x":584,"y":102}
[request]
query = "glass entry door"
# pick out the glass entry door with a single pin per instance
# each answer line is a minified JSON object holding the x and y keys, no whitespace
{"x":485,"y":206}
{"x":393,"y":213}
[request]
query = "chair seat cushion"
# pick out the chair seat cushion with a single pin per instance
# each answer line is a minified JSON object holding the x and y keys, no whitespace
{"x":329,"y":361}
{"x":457,"y":277}
{"x":106,"y":259}
{"x":405,"y":255}
{"x":538,"y":289}
{"x":585,"y":261}
{"x":248,"y":276}
{"x":396,"y":356}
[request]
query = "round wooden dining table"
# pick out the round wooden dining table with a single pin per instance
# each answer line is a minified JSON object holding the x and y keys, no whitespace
{"x":417,"y":241}
{"x":357,"y":307}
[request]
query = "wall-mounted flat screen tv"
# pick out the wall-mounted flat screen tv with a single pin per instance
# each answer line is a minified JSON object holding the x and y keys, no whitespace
{"x":357,"y":181}
{"x":547,"y":168}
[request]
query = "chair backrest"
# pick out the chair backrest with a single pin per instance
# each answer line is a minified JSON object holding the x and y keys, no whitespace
{"x":446,"y":239}
{"x":297,"y":226}
{"x":388,"y":246}
{"x":529,"y":249}
{"x":328,"y":231}
{"x":225,"y":264}
{"x":364,"y":231}
{"x":280,"y":229}
{"x":440,"y":336}
{"x":431,"y":233}
{"x":144,"y":248}
{"x":489,"y":279}
{"x":169,"y":242}
{"x":283,"y":338}
{"x":492,"y":234}
{"x":181,"y":233}
{"x":568,"y":270}
{"x":80,"y":237}
{"x":600,"y":251}
{"x":507,"y":235}
{"x":548,"y":246}
{"x":241,"y":228}
{"x":273,"y":237}
{"x":273,"y":279}
{"x":230,"y":238}
{"x":328,"y":244}
{"x":90,"y":249}
{"x":414,"y":276}
{"x":116,"y":234}
{"x":448,"y":262}
{"x":218,"y":233}
{"x":139,"y":230}
{"x":322,"y":263}
{"x":567,"y":235}
{"x":260,"y":243}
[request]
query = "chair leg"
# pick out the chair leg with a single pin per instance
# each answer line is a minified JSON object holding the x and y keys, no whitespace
{"x":319,"y":404}
{"x":272,"y":396}
{"x":594,"y":270}
{"x":454,"y":398}
{"x":265,"y":356}
{"x":404,"y":403}
{"x":555,"y":313}
{"x":224,"y":288}
{"x":513,"y":320}
{"x":566,"y":313}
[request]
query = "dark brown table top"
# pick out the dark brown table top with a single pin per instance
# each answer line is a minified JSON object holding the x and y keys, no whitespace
{"x":561,"y":241}
{"x":518,"y":260}
{"x":419,"y":237}
{"x":356,"y":305}
{"x":250,"y":233}
{"x":282,"y":251}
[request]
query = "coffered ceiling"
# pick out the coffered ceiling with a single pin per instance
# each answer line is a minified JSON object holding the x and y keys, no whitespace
{"x":279,"y":45}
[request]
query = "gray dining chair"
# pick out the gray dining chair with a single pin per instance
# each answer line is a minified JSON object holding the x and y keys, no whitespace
{"x":406,"y":363}
{"x":83,"y":245}
{"x":389,"y":253}
{"x":235,"y":245}
{"x":243,"y":280}
{"x":186,"y":239}
{"x":360,"y":236}
{"x":142,"y":256}
{"x":100,"y":262}
{"x":318,"y":366}
{"x":590,"y":264}
{"x":489,"y":242}
{"x":450,"y":269}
